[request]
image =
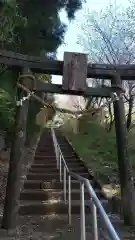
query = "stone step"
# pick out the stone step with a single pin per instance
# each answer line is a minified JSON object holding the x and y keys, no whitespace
{"x":53,"y":157}
{"x":46,"y":152}
{"x":44,"y":170}
{"x":36,"y":184}
{"x":48,"y":194}
{"x":55,"y":207}
{"x":54,"y":170}
{"x":45,"y":146}
{"x":46,"y":160}
{"x":44,"y":165}
{"x":49,"y":207}
{"x":71,"y":165}
{"x":49,"y":176}
{"x":53,"y":164}
{"x":45,"y":156}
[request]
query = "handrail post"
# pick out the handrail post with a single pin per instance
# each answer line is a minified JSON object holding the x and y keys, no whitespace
{"x":55,"y":147}
{"x":57,"y":155}
{"x":60,"y":169}
{"x":65,"y":185}
{"x":69,"y":199}
{"x":94,"y":215}
{"x":83,"y":230}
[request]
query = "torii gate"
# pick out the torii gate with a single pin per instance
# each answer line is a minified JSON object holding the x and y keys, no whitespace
{"x":75,"y":71}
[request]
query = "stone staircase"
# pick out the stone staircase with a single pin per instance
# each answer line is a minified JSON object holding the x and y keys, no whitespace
{"x":43,"y":192}
{"x":43,"y":212}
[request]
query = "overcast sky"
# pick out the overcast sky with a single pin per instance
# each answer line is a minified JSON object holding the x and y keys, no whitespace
{"x":70,"y":42}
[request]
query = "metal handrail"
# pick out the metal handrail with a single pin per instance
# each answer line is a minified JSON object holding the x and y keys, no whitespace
{"x":94,"y":201}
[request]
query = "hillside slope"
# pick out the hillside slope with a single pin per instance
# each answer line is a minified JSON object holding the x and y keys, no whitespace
{"x":97,"y":147}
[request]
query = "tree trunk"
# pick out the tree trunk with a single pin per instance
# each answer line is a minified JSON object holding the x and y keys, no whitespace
{"x":124,"y":163}
{"x":110,"y":125}
{"x":129,"y":117}
{"x":11,"y":205}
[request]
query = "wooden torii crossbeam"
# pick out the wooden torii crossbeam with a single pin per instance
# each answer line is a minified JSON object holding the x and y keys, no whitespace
{"x":42,"y":65}
{"x":16,"y":61}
